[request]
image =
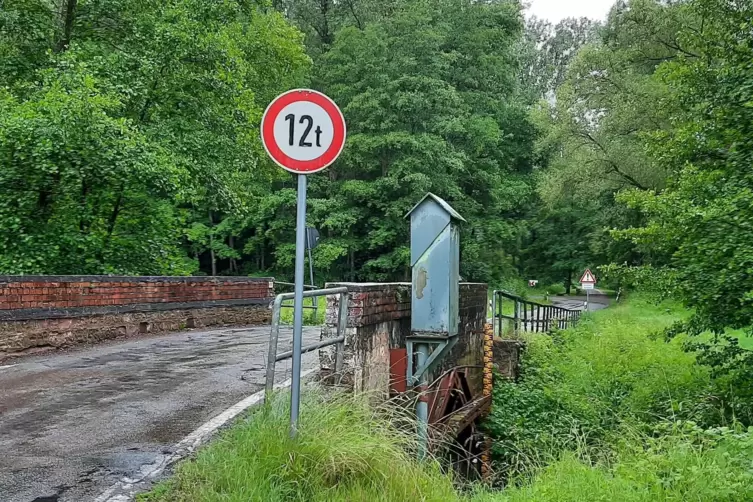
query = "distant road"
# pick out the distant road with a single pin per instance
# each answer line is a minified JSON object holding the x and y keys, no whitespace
{"x":599,"y":301}
{"x":72,"y":424}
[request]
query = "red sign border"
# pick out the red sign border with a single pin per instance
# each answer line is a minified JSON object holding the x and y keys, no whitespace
{"x":303,"y":166}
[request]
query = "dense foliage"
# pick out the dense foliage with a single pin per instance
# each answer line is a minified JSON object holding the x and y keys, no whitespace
{"x":614,"y":410}
{"x":130,"y":142}
{"x":602,"y":413}
{"x":647,"y":148}
{"x":127,"y":124}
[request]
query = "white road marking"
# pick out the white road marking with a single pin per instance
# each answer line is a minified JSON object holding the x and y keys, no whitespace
{"x":125,"y":489}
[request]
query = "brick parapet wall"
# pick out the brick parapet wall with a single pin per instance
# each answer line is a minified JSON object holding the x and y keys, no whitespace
{"x":46,"y":297}
{"x":473,"y":296}
{"x":379,"y":321}
{"x":371,"y":303}
{"x":45,"y":312}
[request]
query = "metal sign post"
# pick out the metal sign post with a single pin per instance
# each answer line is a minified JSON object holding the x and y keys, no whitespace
{"x":304,"y":132}
{"x":312,"y":240}
{"x":300,"y":249}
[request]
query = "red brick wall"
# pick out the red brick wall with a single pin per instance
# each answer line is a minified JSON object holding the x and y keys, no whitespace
{"x":374,"y":304}
{"x":90,"y":293}
{"x":379,"y":321}
{"x":46,"y":312}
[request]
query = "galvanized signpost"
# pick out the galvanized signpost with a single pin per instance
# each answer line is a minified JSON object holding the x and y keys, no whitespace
{"x":304,"y":132}
{"x":588,"y":282}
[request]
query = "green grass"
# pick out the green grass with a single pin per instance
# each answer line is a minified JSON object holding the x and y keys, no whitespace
{"x":604,"y":412}
{"x":601,"y":413}
{"x":687,"y":464}
{"x":310,"y":317}
{"x":344,"y":451}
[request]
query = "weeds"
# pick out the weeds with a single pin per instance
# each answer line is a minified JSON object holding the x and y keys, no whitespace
{"x":604,"y":412}
{"x":345,"y":451}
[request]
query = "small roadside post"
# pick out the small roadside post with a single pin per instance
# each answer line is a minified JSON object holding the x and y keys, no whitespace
{"x":588,"y":282}
{"x":303,"y":131}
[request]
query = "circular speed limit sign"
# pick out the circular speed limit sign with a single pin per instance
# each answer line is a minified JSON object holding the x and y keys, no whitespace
{"x":303,"y":131}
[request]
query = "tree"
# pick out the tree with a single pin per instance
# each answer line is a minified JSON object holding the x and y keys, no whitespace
{"x":422,"y":93}
{"x":149,"y":114}
{"x":548,"y":50}
{"x":702,"y":223}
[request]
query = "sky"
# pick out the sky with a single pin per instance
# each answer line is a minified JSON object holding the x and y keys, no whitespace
{"x":557,"y":10}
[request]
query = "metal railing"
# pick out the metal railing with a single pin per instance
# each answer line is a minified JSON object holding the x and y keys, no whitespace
{"x":529,"y":316}
{"x":273,"y":357}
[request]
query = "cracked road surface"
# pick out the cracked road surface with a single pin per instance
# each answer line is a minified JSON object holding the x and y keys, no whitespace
{"x":72,"y":424}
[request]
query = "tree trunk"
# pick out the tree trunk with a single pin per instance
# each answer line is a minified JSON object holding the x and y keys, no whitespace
{"x":114,"y":217}
{"x":233,"y":262}
{"x":67,"y":18}
{"x":352,"y":259}
{"x":211,"y":245}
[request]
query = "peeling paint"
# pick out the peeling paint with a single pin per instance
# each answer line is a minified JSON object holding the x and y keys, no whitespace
{"x":422,"y":278}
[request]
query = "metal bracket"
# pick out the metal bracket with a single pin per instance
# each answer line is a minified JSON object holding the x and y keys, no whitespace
{"x":442,"y":347}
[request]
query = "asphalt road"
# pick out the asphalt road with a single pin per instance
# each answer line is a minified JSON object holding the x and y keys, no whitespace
{"x":72,"y":424}
{"x":598,"y":299}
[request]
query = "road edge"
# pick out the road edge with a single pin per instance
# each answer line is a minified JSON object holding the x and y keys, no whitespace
{"x":126,"y":489}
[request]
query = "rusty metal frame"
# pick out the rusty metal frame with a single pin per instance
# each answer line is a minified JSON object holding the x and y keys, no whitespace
{"x":442,"y":345}
{"x":546,"y":316}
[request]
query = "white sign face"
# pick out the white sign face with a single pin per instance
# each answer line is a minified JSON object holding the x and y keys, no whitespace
{"x":304,"y":131}
{"x":587,"y":285}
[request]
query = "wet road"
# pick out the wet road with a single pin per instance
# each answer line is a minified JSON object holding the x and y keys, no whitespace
{"x":598,"y":299}
{"x":72,"y":424}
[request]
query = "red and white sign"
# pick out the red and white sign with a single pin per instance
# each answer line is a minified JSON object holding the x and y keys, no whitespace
{"x":303,"y":131}
{"x":588,"y":277}
{"x":588,"y":281}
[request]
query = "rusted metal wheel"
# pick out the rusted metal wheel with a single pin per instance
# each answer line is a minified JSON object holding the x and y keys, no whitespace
{"x":454,"y":413}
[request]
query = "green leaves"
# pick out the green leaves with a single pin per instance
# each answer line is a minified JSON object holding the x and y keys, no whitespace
{"x":429,"y":96}
{"x":147,"y":109}
{"x":702,"y":224}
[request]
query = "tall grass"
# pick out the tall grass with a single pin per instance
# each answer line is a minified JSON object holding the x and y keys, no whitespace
{"x":685,"y":463}
{"x":311,"y":317}
{"x":345,"y":451}
{"x":610,"y":410}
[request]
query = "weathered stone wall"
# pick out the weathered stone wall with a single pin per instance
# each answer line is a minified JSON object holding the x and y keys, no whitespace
{"x":507,"y":354}
{"x":42,"y":312}
{"x":379,"y":321}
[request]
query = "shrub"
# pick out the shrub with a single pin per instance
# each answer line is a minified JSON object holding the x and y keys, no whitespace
{"x":683,"y":463}
{"x":580,"y":386}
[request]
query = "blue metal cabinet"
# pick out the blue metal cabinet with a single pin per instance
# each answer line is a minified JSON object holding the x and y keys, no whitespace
{"x":435,"y":257}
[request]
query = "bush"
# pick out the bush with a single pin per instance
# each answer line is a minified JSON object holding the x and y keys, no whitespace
{"x":580,"y":386}
{"x":683,"y":463}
